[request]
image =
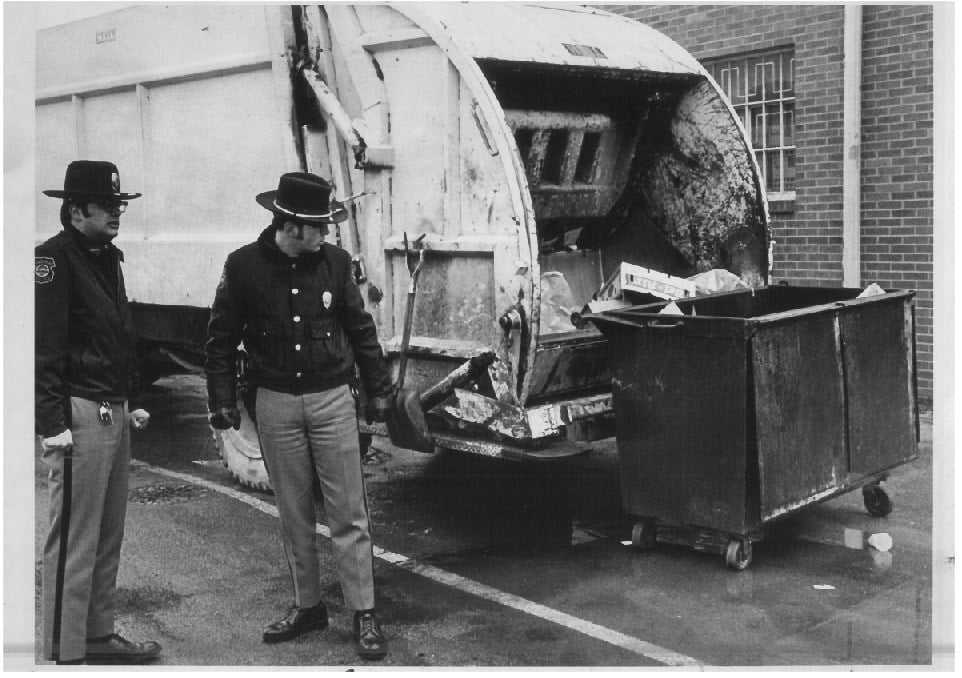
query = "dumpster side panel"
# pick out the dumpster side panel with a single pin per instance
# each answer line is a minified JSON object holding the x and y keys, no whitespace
{"x":800,"y":417}
{"x":876,"y":343}
{"x":681,"y":416}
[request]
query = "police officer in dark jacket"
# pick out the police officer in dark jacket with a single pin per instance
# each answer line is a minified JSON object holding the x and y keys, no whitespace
{"x":85,"y":368}
{"x":291,"y":298}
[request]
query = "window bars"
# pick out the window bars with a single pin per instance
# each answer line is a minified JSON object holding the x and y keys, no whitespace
{"x":761,"y":87}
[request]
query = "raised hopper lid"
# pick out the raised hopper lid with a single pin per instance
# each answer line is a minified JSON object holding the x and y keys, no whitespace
{"x":563,"y":36}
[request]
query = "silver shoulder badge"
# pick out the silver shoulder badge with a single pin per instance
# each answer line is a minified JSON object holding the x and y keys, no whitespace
{"x":43,"y":269}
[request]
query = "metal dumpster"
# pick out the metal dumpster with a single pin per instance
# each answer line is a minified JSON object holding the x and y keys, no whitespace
{"x":755,"y":404}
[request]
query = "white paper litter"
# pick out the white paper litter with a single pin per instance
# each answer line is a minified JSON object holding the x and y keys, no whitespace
{"x":882,"y":541}
{"x":671,"y":309}
{"x":823,"y":587}
{"x":854,"y":539}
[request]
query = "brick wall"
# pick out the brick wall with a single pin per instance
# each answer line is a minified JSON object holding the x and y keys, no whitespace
{"x":897,"y":149}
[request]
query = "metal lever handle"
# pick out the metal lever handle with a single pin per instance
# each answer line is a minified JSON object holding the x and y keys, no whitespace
{"x":655,"y":325}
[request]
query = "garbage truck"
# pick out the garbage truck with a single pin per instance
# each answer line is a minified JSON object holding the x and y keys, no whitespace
{"x":501,"y":162}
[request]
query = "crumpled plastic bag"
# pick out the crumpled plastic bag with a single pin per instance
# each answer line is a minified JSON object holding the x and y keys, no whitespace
{"x":872,"y":290}
{"x":718,"y":280}
{"x":557,"y":303}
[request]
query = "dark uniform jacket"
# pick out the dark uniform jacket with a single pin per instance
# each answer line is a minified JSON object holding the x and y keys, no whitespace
{"x":302,"y":321}
{"x":86,"y":345}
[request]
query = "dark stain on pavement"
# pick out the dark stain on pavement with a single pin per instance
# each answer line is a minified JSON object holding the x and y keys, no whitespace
{"x":540,"y":635}
{"x":147,"y":599}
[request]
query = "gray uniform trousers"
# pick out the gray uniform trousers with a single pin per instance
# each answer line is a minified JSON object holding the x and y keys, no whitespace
{"x":301,"y":433}
{"x":88,"y":504}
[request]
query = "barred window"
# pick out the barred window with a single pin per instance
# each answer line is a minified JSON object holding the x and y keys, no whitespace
{"x":761,"y":87}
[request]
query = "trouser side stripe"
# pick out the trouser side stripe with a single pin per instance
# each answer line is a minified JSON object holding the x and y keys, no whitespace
{"x":62,"y":556}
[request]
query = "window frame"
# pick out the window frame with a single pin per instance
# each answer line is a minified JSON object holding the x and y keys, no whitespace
{"x":780,"y":57}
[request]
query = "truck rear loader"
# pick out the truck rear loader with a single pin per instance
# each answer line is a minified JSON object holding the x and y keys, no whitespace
{"x":520,"y":153}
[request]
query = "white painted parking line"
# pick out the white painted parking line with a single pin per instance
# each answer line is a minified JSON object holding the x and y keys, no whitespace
{"x":464,"y":584}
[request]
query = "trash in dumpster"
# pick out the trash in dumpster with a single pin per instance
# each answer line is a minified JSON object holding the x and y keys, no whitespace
{"x":671,"y":309}
{"x":645,"y":285}
{"x":649,"y":281}
{"x":717,"y":280}
{"x":606,"y":305}
{"x":872,"y":290}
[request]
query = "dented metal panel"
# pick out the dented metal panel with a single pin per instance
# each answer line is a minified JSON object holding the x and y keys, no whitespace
{"x":799,"y":410}
{"x":474,"y":409}
{"x":681,"y":423}
{"x":881,"y":426}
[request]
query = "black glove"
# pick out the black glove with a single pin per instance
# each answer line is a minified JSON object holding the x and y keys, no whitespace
{"x":225,"y":418}
{"x":376,"y":409}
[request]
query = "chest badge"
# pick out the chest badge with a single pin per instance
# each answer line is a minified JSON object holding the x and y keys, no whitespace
{"x":327,"y":298}
{"x":43,"y":269}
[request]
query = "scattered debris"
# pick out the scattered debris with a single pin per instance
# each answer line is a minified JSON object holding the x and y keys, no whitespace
{"x":823,"y":587}
{"x":881,"y":541}
{"x":857,"y":539}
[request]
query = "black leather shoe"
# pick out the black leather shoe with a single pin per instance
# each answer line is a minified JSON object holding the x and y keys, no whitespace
{"x":115,"y":649}
{"x":369,"y":641}
{"x":298,"y":621}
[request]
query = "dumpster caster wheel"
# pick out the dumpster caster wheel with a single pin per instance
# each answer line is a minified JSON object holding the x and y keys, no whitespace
{"x":877,"y":501}
{"x":643,"y":535}
{"x":738,"y":554}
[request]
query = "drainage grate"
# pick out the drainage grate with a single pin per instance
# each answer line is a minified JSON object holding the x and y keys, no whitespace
{"x":167,"y":493}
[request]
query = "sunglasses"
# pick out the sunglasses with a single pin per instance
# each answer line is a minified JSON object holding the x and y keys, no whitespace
{"x":112,"y":205}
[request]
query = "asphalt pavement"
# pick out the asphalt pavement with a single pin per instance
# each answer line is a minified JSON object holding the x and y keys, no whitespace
{"x":479,"y":563}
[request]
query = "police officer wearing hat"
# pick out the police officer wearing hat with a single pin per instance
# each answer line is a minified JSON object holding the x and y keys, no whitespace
{"x":85,"y":369}
{"x":291,"y":298}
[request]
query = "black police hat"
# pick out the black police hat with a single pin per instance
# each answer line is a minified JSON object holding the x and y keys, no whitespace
{"x":305,"y":198}
{"x":95,"y":178}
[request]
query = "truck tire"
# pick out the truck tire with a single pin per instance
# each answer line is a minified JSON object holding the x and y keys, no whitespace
{"x":240,"y":451}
